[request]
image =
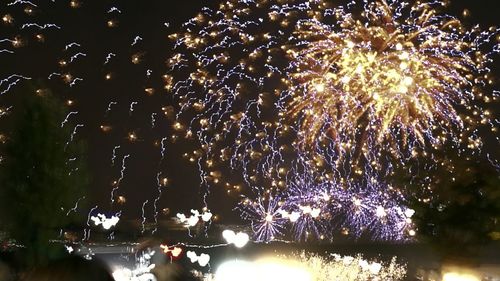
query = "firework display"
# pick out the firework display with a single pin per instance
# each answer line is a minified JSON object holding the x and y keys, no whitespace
{"x":399,"y":77}
{"x":314,"y":210}
{"x":300,"y":111}
{"x":350,"y":92}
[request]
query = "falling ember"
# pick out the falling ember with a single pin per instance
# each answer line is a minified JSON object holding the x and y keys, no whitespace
{"x":7,"y":19}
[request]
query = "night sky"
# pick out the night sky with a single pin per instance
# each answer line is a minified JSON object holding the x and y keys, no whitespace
{"x":152,"y":20}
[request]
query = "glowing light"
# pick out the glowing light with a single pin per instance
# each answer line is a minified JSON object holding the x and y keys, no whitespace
{"x":174,"y":251}
{"x":239,"y":239}
{"x":454,"y":276}
{"x":141,"y":271}
{"x":380,"y":212}
{"x":7,"y":19}
{"x":391,"y":86}
{"x":195,"y":217}
{"x":260,"y":270}
{"x":269,"y":218}
{"x":107,"y":223}
{"x":203,"y":259}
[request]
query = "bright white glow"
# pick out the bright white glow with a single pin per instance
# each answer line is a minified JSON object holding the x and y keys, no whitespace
{"x":69,"y":249}
{"x":107,"y":223}
{"x":122,"y":274}
{"x":408,"y":81}
{"x":195,"y":212}
{"x":315,"y":213}
{"x":404,"y":56}
{"x":261,"y":270}
{"x":409,"y":213}
{"x":139,"y":274}
{"x":192,"y":220}
{"x":284,"y":214}
{"x":228,"y":235}
{"x":294,"y":216}
{"x":454,"y":276}
{"x":357,"y":202}
{"x":375,"y":268}
{"x":182,"y":218}
{"x":269,"y":218}
{"x":320,"y":87}
{"x":305,"y":209}
{"x":380,"y":212}
{"x":206,"y":216}
{"x":202,"y":259}
{"x":239,"y":239}
{"x":192,"y":256}
{"x":347,"y":260}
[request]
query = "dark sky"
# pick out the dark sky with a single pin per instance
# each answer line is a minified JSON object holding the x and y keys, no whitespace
{"x":87,"y":26}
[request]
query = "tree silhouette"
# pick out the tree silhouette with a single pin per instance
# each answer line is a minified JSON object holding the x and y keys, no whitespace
{"x":460,"y":209}
{"x":39,"y":182}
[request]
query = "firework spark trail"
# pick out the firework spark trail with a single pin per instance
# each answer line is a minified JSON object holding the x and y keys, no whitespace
{"x":132,"y":106}
{"x":109,"y":57}
{"x":153,"y":119}
{"x":163,"y":147}
{"x":86,"y":231}
{"x":75,"y":207}
{"x":137,"y":39}
{"x":159,"y":187}
{"x":108,"y":109}
{"x":21,"y":2}
{"x":5,"y":111}
{"x":54,"y":74}
{"x":71,"y":45}
{"x":143,"y":222}
{"x":66,"y":120}
{"x":113,"y":157}
{"x":9,"y":82}
{"x":45,"y":26}
{"x":6,"y":51}
{"x":122,"y":175}
{"x":226,"y":85}
{"x":494,"y":163}
{"x":73,"y":82}
{"x":114,"y":9}
{"x":76,"y":56}
{"x":72,"y":136}
{"x":216,"y":111}
{"x":7,"y":40}
{"x":86,"y":234}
